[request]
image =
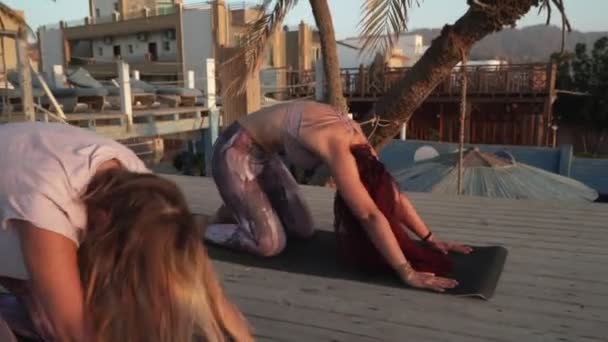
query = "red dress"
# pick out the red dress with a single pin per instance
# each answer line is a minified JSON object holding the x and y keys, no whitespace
{"x":354,"y":244}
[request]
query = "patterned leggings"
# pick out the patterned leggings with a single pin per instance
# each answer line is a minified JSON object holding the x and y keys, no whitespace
{"x":21,"y":313}
{"x":260,"y":192}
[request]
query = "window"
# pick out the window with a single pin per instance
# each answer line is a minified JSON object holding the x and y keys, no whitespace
{"x":152,"y":51}
{"x":97,"y":13}
{"x":167,"y":46}
{"x":100,"y":51}
{"x":165,"y":7}
{"x":130,"y":49}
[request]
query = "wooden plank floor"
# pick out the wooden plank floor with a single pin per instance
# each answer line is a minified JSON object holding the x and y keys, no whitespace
{"x":554,"y":286}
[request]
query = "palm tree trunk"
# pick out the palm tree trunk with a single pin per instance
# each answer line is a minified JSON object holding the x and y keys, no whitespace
{"x":400,"y":102}
{"x":331,"y":65}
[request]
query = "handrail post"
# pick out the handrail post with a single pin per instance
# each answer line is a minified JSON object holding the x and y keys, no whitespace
{"x":126,"y":106}
{"x":190,"y":79}
{"x":213,"y":116}
{"x":25,"y":80}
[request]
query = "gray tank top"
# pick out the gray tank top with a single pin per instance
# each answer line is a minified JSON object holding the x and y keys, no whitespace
{"x":307,"y":114}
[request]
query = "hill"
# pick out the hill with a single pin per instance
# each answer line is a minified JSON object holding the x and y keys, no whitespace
{"x":521,"y":45}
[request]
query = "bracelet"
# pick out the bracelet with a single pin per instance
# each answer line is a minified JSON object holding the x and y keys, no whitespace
{"x":404,"y":269}
{"x":428,"y":236}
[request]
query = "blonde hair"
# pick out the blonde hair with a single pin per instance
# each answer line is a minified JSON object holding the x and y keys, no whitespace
{"x":145,"y":271}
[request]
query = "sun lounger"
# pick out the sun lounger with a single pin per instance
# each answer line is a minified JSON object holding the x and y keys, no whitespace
{"x":67,"y":97}
{"x":82,"y":79}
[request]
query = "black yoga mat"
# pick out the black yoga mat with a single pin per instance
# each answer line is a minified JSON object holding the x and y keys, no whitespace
{"x":477,"y":273}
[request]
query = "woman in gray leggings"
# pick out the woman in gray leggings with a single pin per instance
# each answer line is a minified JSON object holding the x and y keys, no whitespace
{"x":261,"y":194}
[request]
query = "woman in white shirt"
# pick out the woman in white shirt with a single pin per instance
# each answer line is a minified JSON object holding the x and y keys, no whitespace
{"x":97,"y":248}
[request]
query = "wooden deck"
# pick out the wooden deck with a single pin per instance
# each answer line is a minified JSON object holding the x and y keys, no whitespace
{"x":554,"y":286}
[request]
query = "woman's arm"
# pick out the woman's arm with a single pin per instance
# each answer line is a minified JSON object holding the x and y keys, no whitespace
{"x":52,"y":263}
{"x":410,"y":218}
{"x":343,"y":167}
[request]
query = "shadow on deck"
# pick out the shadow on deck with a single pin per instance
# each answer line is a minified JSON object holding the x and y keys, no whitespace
{"x":477,"y":273}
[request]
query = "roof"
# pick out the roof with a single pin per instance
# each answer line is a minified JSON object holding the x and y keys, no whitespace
{"x":554,"y":285}
{"x":490,"y":175}
{"x":348,"y":45}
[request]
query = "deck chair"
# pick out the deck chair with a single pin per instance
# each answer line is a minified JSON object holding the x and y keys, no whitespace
{"x":67,"y":97}
{"x":174,"y":96}
{"x":13,"y":97}
{"x":81,"y":78}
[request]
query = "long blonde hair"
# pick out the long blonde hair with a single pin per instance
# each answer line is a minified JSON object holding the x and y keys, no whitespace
{"x":145,"y":271}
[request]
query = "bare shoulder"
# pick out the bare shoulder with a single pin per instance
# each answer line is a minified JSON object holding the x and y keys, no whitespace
{"x":328,"y":141}
{"x":264,"y":124}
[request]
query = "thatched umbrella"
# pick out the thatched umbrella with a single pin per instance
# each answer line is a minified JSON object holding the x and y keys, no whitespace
{"x":491,"y":175}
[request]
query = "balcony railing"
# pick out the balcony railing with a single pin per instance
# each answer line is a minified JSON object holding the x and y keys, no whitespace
{"x":523,"y":80}
{"x":483,"y":80}
{"x":144,"y":13}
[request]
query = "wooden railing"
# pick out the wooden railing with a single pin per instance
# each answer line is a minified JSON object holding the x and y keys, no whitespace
{"x":285,"y":83}
{"x":301,"y":83}
{"x":525,"y":80}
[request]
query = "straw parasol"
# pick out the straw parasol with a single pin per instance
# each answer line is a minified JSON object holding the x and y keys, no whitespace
{"x":491,"y":175}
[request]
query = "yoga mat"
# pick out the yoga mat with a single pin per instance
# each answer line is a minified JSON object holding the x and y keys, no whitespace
{"x":478,"y":273}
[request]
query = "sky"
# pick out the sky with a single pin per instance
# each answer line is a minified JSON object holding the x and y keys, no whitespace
{"x":585,"y":15}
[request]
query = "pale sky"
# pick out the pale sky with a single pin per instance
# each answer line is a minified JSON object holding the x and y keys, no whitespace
{"x":585,"y":15}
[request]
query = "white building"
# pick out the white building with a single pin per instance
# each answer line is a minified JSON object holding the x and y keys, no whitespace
{"x":161,"y":44}
{"x":407,"y":50}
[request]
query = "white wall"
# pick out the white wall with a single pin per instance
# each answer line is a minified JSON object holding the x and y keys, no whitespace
{"x":51,"y":48}
{"x":140,"y":48}
{"x":411,"y":45}
{"x":412,"y":48}
{"x":198,"y":42}
{"x":106,"y":7}
{"x":487,"y":64}
{"x":349,"y":57}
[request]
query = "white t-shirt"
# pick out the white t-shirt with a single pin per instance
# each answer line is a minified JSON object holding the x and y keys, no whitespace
{"x":44,"y":170}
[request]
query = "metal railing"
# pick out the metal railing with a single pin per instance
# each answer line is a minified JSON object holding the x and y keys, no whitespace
{"x":139,"y":14}
{"x":515,"y":79}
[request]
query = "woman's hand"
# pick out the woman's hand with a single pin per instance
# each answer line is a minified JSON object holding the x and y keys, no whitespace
{"x":448,"y":246}
{"x":425,"y":280}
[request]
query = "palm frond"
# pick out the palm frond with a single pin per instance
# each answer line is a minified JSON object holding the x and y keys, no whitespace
{"x":546,"y":5}
{"x":248,"y":60}
{"x":382,"y":21}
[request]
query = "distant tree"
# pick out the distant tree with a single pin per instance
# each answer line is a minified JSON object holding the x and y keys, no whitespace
{"x":586,"y":73}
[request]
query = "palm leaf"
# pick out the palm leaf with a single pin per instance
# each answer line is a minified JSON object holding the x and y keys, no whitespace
{"x":546,"y":5}
{"x":382,"y":21}
{"x":249,"y":59}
